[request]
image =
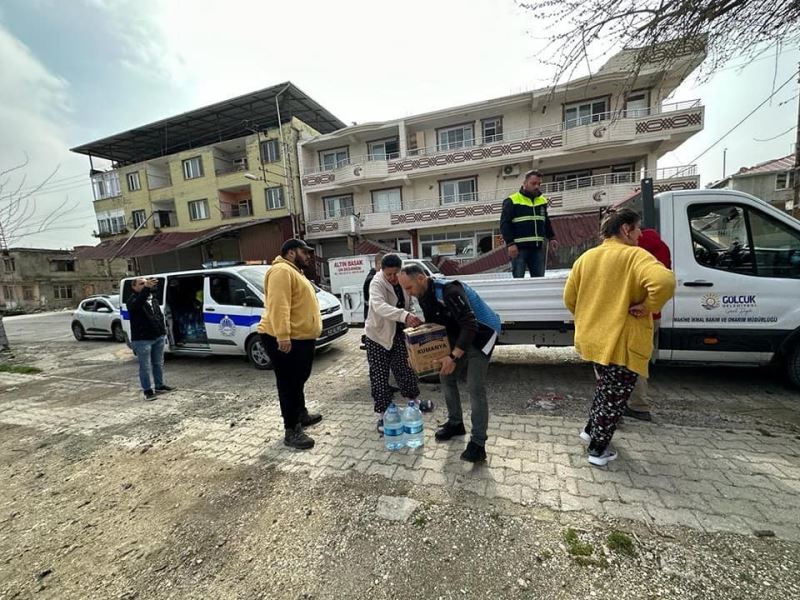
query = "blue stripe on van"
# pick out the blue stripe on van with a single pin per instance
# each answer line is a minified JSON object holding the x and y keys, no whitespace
{"x":239,"y":320}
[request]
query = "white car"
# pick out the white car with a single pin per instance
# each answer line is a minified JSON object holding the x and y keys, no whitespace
{"x":98,"y":316}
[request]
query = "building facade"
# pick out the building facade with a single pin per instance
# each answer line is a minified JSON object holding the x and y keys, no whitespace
{"x":772,"y":181}
{"x":37,"y":278}
{"x":433,"y":184}
{"x":218,"y":183}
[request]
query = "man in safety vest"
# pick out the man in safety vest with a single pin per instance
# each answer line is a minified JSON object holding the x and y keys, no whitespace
{"x":526,"y":228}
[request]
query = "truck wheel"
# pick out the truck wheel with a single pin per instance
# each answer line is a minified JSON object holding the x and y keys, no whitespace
{"x":793,"y":366}
{"x":78,"y":332}
{"x":257,"y":354}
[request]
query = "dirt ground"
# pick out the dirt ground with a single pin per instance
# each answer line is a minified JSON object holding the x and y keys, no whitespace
{"x":134,"y":511}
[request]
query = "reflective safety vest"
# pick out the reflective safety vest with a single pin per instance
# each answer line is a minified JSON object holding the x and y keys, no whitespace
{"x":529,"y":218}
{"x":483,"y":313}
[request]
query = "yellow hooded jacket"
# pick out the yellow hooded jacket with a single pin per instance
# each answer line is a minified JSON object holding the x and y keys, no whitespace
{"x":291,"y":309}
{"x":603,"y":284}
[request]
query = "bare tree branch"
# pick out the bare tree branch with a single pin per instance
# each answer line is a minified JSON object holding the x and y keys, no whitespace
{"x":662,"y":30}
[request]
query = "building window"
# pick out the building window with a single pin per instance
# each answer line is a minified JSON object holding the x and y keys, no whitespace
{"x":384,"y":149}
{"x":492,"y":130}
{"x":338,"y":206}
{"x":274,"y":198}
{"x":198,"y":210}
{"x":9,"y":265}
{"x":458,"y":244}
{"x":333,"y":159}
{"x":111,"y":224}
{"x":62,"y":292}
{"x":27,"y":293}
{"x":458,"y":190}
{"x":105,"y":185}
{"x":193,"y":167}
{"x":637,"y":104}
{"x":62,"y":266}
{"x":8,"y":293}
{"x":784,"y":181}
{"x":138,"y":218}
{"x":134,"y":185}
{"x":583,"y":113}
{"x":451,"y":138}
{"x":387,"y":200}
{"x":270,"y":151}
{"x":572,"y":181}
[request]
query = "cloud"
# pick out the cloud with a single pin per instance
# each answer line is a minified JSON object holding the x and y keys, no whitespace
{"x":35,"y":116}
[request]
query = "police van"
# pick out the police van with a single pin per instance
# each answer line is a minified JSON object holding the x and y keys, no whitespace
{"x":216,"y":311}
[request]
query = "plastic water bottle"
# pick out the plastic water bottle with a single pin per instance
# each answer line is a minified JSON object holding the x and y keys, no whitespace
{"x":412,"y":425}
{"x":393,"y":428}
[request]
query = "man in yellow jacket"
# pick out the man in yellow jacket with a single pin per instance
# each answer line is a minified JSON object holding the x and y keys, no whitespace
{"x":289,"y":328}
{"x":613,"y":290}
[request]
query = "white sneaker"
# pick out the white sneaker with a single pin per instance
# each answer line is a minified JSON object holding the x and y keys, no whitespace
{"x":585,"y":437}
{"x":602,"y":459}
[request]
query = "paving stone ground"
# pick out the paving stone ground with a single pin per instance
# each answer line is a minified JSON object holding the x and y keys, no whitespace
{"x":707,"y":479}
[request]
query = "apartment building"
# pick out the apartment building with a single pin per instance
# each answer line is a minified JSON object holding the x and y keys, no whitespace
{"x":433,"y":184}
{"x":216,"y":183}
{"x":41,"y":278}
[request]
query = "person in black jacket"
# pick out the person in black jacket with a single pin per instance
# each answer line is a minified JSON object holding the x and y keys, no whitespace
{"x":148,"y":336}
{"x":472,"y":343}
{"x":526,"y":227}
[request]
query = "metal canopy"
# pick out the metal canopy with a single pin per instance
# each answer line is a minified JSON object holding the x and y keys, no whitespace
{"x":225,"y":120}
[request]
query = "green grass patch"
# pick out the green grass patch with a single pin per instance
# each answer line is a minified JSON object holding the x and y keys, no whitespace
{"x":575,"y":546}
{"x":22,"y":369}
{"x":590,"y":561}
{"x":420,"y":519}
{"x":621,"y":543}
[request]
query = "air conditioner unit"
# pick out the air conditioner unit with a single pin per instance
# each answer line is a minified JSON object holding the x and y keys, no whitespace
{"x":510,"y":170}
{"x":240,"y":164}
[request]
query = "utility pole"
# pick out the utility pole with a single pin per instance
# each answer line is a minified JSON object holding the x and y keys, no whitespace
{"x":724,"y":157}
{"x":795,"y":172}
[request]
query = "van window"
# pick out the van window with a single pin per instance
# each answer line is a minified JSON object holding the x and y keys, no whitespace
{"x":739,"y":239}
{"x":224,"y":288}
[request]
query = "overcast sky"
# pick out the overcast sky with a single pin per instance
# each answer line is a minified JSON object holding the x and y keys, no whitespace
{"x":72,"y":72}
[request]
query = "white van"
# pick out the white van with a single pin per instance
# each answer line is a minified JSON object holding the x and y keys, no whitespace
{"x":216,"y":311}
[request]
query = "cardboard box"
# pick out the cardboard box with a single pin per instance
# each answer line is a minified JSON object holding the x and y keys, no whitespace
{"x":427,"y":345}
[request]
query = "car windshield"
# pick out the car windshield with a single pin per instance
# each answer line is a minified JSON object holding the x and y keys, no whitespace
{"x":114,"y":301}
{"x":431,"y":267}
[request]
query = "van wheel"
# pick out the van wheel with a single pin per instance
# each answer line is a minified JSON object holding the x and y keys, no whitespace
{"x":78,"y":332}
{"x":257,"y":354}
{"x":117,"y":333}
{"x":793,"y":366}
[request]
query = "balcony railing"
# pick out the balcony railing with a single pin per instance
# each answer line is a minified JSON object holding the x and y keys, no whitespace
{"x":237,"y":166}
{"x":234,"y":211}
{"x":628,"y":180}
{"x":350,"y":160}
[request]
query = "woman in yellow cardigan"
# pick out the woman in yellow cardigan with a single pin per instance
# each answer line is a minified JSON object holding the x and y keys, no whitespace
{"x":613,"y":290}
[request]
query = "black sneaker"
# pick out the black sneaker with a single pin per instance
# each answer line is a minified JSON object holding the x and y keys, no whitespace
{"x":296,"y":438}
{"x":163,"y":389}
{"x":640,"y":415}
{"x":474,"y":453}
{"x":448,"y":430}
{"x":308,"y":419}
{"x":149,"y":395}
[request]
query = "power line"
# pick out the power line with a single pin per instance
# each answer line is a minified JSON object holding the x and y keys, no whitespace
{"x":723,"y":136}
{"x":777,"y":136}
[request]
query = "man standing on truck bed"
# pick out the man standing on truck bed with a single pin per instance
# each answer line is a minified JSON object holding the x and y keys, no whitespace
{"x":526,"y":228}
{"x":289,"y":328}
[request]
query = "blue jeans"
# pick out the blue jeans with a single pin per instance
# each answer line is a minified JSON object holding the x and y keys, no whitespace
{"x":531,"y":258}
{"x":151,"y":359}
